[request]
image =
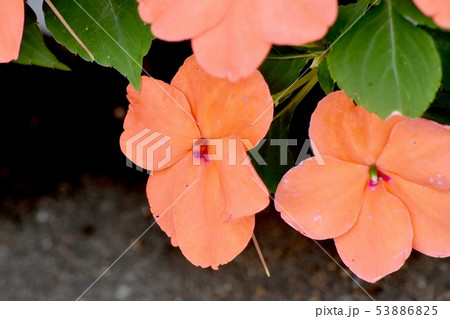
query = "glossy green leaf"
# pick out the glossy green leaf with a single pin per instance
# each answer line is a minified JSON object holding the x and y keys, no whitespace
{"x":282,"y":67}
{"x":347,"y":15}
{"x":325,"y":80}
{"x":33,"y":49}
{"x":111,"y":30}
{"x":387,"y":64}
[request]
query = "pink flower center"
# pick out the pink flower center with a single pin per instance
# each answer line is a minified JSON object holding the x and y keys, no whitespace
{"x":377,"y":176}
{"x":201,"y":149}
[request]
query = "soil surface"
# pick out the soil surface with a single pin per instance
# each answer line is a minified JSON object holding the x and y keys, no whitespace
{"x":56,"y":246}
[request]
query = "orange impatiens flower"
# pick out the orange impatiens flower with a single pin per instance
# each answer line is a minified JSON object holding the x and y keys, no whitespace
{"x":231,"y":38}
{"x":193,"y":134}
{"x":383,"y":190}
{"x":438,"y":10}
{"x":12,"y":19}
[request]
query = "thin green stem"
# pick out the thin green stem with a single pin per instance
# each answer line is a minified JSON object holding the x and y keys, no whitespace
{"x":317,"y":60}
{"x":295,"y":101}
{"x":296,"y":85}
{"x":313,"y":46}
{"x":292,"y":57}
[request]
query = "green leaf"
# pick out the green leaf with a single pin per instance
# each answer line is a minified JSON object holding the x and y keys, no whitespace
{"x":439,"y":111}
{"x":110,"y":29}
{"x":282,"y":67}
{"x":346,"y":17}
{"x":386,"y":64}
{"x":325,"y":80}
{"x":33,"y":49}
{"x":442,"y":40}
{"x":411,"y":13}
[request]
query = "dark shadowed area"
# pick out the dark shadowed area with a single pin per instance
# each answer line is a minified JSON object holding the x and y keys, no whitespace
{"x":69,"y":207}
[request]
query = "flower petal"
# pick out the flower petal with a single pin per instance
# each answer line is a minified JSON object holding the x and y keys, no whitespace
{"x":12,"y":17}
{"x":418,"y":150}
{"x":430,"y":215}
{"x":439,"y":10}
{"x":294,"y":22}
{"x":203,"y":237}
{"x":163,"y":192}
{"x":380,"y":241}
{"x":159,"y":126}
{"x":223,"y":108}
{"x":244,"y":192}
{"x":322,"y":201}
{"x":177,"y":20}
{"x":348,"y":132}
{"x":233,"y":48}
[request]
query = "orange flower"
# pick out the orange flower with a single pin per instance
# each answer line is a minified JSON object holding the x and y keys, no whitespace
{"x":384,"y":188}
{"x":438,"y":10}
{"x":231,"y":38}
{"x":206,"y":205}
{"x":12,"y":18}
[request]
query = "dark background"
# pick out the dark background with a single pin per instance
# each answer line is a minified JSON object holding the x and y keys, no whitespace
{"x":57,"y":125}
{"x":69,"y":206}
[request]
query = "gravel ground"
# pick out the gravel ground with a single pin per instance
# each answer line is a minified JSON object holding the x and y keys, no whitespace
{"x":54,"y":247}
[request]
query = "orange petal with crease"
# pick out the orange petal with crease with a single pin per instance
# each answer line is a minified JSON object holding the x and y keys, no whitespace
{"x":322,"y":201}
{"x":419,"y":151}
{"x":162,"y":194}
{"x":159,"y":126}
{"x":341,"y":129}
{"x":438,"y":10}
{"x":231,"y":38}
{"x":380,"y":241}
{"x":176,"y":20}
{"x":204,"y":238}
{"x":286,"y":22}
{"x":233,"y":48}
{"x":430,"y":215}
{"x":223,"y":108}
{"x":243,"y":190}
{"x":12,"y":17}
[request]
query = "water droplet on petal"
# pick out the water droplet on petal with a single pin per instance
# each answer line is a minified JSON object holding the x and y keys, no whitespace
{"x":317,"y":218}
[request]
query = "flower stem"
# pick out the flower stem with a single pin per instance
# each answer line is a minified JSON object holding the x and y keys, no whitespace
{"x":292,"y":57}
{"x":261,"y":257}
{"x":278,"y":97}
{"x":310,"y":79}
